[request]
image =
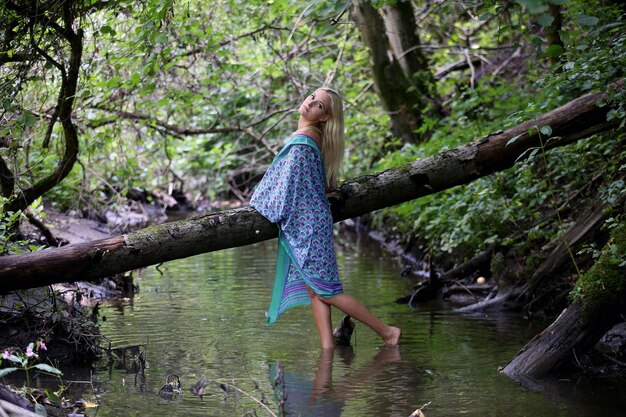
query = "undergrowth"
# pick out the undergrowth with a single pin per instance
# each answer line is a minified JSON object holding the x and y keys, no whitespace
{"x":515,"y":206}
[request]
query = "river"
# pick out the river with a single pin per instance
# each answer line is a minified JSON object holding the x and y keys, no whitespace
{"x":205,"y":316}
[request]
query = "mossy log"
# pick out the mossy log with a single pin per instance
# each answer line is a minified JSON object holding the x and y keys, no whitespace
{"x":599,"y":300}
{"x":160,"y":243}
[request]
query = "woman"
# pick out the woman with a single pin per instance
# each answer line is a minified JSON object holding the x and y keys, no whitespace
{"x":293,"y":195}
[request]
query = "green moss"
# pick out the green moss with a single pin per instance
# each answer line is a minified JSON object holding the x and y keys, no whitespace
{"x":605,"y":282}
{"x":404,"y":169}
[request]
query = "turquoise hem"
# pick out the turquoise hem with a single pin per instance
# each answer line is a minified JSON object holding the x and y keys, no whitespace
{"x":284,"y":258}
{"x":303,"y":303}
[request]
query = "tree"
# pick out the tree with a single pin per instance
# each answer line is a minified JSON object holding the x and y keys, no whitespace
{"x":44,"y":35}
{"x":160,"y":243}
{"x":170,"y":93}
{"x":403,"y":80}
{"x":403,"y":33}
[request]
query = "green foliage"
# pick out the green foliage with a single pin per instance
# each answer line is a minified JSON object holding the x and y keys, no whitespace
{"x":171,"y":87}
{"x":594,"y":55}
{"x":9,"y":220}
{"x":476,"y":214}
{"x":511,"y":204}
{"x":507,"y":206}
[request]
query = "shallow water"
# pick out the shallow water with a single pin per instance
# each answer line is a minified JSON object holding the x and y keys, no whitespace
{"x":205,"y":316}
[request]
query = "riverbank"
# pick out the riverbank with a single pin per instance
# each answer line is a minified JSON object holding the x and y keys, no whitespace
{"x":483,"y":285}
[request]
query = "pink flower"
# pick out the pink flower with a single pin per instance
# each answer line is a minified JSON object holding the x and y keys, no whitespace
{"x":42,"y":346}
{"x":6,"y":354}
{"x":29,"y":352}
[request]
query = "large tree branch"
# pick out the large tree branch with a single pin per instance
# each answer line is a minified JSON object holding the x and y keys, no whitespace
{"x":173,"y":129}
{"x":160,"y":243}
{"x":182,"y":131}
{"x":65,"y":105}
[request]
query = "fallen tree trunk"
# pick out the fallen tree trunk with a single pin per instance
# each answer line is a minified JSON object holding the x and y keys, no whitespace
{"x":600,"y":300}
{"x":569,"y":335}
{"x":92,"y":260}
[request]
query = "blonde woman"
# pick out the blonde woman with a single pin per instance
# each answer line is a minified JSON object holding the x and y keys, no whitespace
{"x":292,"y":194}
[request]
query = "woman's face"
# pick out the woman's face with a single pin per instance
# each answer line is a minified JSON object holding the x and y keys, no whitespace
{"x":316,"y":107}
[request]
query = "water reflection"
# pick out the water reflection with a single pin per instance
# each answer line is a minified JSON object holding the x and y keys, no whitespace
{"x":300,"y":396}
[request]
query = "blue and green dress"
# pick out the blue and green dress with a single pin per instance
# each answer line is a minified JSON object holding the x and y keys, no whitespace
{"x":292,"y":194}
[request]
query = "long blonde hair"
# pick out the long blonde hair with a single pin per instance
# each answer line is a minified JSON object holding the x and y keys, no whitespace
{"x":333,"y":138}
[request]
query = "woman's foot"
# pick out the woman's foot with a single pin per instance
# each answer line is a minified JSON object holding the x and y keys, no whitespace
{"x":393,"y":336}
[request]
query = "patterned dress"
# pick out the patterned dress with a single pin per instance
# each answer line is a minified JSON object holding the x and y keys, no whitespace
{"x":292,"y":195}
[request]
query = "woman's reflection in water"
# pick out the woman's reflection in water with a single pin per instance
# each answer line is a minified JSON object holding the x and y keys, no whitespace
{"x":319,"y":398}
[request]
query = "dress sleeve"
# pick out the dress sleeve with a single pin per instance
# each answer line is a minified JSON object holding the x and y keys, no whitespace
{"x":292,"y":175}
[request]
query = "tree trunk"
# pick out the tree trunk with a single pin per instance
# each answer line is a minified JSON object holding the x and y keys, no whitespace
{"x":600,"y":299}
{"x":7,"y":180}
{"x":569,"y":335}
{"x":401,"y":28}
{"x":403,"y":36}
{"x":553,"y":37}
{"x":64,"y":107}
{"x":390,"y":81}
{"x":91,"y":260}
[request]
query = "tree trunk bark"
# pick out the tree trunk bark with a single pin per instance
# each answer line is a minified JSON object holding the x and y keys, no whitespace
{"x":389,"y":80}
{"x":402,"y":32}
{"x":569,"y":335}
{"x":401,"y":28}
{"x":599,"y":303}
{"x":92,"y":260}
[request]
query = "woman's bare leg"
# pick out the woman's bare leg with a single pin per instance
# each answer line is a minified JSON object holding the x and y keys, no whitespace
{"x":352,"y":307}
{"x":321,"y":314}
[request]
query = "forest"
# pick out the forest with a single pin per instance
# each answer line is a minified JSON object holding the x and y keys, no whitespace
{"x":485,"y":143}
